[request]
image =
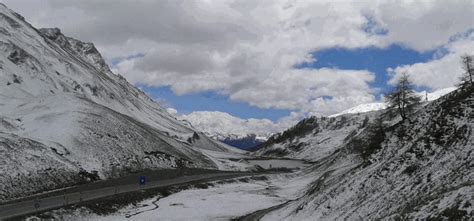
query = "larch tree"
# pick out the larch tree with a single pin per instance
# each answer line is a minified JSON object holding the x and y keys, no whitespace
{"x":467,"y":62}
{"x":403,"y":96}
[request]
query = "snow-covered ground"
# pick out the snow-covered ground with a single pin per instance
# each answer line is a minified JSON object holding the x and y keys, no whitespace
{"x":320,"y":137}
{"x":362,"y":108}
{"x":317,"y":138}
{"x":426,"y":96}
{"x":278,"y":163}
{"x":229,"y":161}
{"x":63,"y":114}
{"x":219,"y":202}
{"x":415,"y":169}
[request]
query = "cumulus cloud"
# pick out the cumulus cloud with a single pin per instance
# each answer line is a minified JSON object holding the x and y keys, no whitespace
{"x":322,"y":90}
{"x":247,"y":50}
{"x":221,"y":123}
{"x":172,"y":111}
{"x":424,"y":25}
{"x":440,"y":72}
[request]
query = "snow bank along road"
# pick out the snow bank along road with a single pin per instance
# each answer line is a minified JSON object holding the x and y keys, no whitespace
{"x":62,"y":198}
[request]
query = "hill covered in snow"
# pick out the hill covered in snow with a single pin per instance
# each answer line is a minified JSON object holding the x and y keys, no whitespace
{"x":374,"y":166}
{"x":66,"y":118}
{"x":241,"y":133}
{"x":362,"y":108}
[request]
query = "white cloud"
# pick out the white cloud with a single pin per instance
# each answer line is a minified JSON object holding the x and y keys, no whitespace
{"x":220,"y":123}
{"x":304,"y":89}
{"x":172,"y":111}
{"x":425,"y":25}
{"x":441,"y":72}
{"x":247,"y":49}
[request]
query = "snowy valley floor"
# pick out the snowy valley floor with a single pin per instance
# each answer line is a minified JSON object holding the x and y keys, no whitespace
{"x":219,"y":200}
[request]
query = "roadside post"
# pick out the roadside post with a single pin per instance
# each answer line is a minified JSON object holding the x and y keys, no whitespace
{"x":141,"y":181}
{"x":65,"y":198}
{"x":36,"y":204}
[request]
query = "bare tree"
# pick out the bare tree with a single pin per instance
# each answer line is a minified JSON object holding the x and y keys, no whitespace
{"x":403,"y":96}
{"x":467,"y":62}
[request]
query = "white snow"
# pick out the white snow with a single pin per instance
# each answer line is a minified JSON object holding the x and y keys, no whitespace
{"x":221,"y":202}
{"x":221,"y":125}
{"x":426,"y":96}
{"x":327,"y":136}
{"x":278,"y":163}
{"x":229,"y":161}
{"x":421,"y":170}
{"x":435,"y":94}
{"x":362,"y":108}
{"x":57,"y":93}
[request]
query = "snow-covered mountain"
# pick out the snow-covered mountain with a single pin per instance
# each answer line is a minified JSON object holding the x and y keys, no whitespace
{"x":241,"y":133}
{"x":374,"y":166}
{"x":314,"y":138}
{"x":65,"y":117}
{"x":249,"y":143}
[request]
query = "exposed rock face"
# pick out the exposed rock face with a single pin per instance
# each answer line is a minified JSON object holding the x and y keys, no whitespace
{"x":87,"y":50}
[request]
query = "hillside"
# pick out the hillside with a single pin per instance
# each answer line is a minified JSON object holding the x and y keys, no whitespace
{"x":316,"y":137}
{"x":66,"y":118}
{"x":417,"y":169}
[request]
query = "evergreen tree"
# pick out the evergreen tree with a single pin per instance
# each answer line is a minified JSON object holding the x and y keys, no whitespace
{"x":403,"y":96}
{"x":467,"y":62}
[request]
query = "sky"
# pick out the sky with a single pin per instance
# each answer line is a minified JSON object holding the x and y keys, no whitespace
{"x":269,"y":63}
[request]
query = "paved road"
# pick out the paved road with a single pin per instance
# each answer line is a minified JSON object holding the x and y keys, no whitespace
{"x":29,"y":206}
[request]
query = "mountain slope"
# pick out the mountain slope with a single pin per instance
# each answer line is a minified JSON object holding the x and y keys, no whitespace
{"x":244,"y":134}
{"x":315,"y":138}
{"x":417,"y":169}
{"x":66,"y":118}
{"x":362,"y":108}
{"x":249,"y":142}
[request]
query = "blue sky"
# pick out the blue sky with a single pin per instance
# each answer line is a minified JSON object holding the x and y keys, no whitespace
{"x":372,"y":59}
{"x":210,"y":101}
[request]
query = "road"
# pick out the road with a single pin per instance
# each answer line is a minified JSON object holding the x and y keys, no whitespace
{"x":63,"y":198}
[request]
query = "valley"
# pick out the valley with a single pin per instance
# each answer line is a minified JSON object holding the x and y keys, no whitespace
{"x":78,"y":141}
{"x":264,"y":189}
